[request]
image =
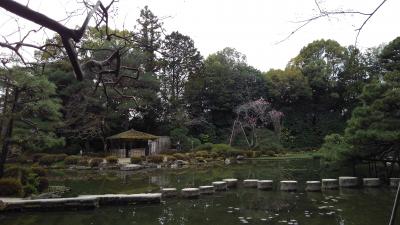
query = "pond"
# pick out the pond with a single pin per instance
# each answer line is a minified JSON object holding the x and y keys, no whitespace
{"x":237,"y":206}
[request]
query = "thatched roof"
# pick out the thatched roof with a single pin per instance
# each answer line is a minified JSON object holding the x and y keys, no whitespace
{"x":132,"y":135}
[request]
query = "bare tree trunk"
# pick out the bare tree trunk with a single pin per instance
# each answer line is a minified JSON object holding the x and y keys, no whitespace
{"x":5,"y":105}
{"x":7,"y":134}
{"x":103,"y":136}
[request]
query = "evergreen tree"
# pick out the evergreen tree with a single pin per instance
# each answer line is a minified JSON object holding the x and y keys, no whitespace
{"x":30,"y":114}
{"x":148,"y":38}
{"x":180,"y":60}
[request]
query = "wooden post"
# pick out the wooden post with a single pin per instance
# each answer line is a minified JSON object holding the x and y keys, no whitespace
{"x":232,"y":133}
{"x":395,"y":205}
{"x":244,"y":133}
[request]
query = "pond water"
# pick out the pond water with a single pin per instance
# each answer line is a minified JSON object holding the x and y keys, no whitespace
{"x":237,"y":206}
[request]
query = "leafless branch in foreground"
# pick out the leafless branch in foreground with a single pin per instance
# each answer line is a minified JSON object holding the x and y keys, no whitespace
{"x":68,"y":36}
{"x":322,"y":13}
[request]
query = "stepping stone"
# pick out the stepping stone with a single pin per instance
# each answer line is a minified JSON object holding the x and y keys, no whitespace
{"x":251,"y":183}
{"x":313,"y":185}
{"x":288,"y":185}
{"x":220,"y":185}
{"x":371,"y":182}
{"x":330,"y":184}
{"x":207,"y":190}
{"x":265,"y":184}
{"x":190,"y":192}
{"x":348,"y":182}
{"x":231,"y":182}
{"x":169,"y":192}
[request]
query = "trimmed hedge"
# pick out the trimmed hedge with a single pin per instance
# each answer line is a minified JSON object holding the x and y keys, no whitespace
{"x":136,"y":160}
{"x":205,"y":146}
{"x":83,"y":161}
{"x":20,"y":173}
{"x":23,"y":181}
{"x":29,"y":189}
{"x":47,"y":160}
{"x":155,"y":158}
{"x":72,"y":160}
{"x":170,"y":158}
{"x":112,"y":160}
{"x":37,"y":156}
{"x":95,"y":162}
{"x":10,"y":187}
{"x":203,"y":154}
{"x":181,"y":156}
{"x":168,"y":152}
{"x":40,"y":171}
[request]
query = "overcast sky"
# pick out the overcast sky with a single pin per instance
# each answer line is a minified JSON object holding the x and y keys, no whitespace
{"x":253,"y":27}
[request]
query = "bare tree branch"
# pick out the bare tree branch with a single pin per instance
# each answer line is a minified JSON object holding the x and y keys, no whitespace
{"x":326,"y":14}
{"x":67,"y":34}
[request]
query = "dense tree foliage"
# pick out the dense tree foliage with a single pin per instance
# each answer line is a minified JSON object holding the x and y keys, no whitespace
{"x":372,"y":132}
{"x":194,"y":100}
{"x":30,"y":113}
{"x":225,"y":82}
{"x":180,"y":60}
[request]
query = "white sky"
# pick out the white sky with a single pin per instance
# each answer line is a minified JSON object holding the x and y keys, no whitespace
{"x":253,"y":27}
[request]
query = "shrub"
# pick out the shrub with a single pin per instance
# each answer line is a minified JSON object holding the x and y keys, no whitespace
{"x":60,"y":157}
{"x":10,"y":187}
{"x":253,"y":154}
{"x":29,"y":189}
{"x":270,"y":153}
{"x":171,"y":158}
{"x":17,"y":172}
{"x":256,"y":154}
{"x":168,"y":152}
{"x":112,"y":160}
{"x":40,"y":171}
{"x":248,"y":154}
{"x":205,"y":146}
{"x":72,"y":160}
{"x":234,"y":152}
{"x":96,"y":154}
{"x":136,"y":160}
{"x":37,"y":156}
{"x":335,"y":148}
{"x":180,"y":156}
{"x":200,"y":159}
{"x":47,"y":160}
{"x":83,"y":161}
{"x":213,"y":155}
{"x":194,"y":142}
{"x":155,"y":158}
{"x":203,"y":154}
{"x":43,"y":184}
{"x":190,"y":155}
{"x":21,"y":159}
{"x":95,"y":162}
{"x":221,"y":149}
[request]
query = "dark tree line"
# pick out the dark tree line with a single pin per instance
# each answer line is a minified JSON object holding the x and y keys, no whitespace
{"x":143,"y":79}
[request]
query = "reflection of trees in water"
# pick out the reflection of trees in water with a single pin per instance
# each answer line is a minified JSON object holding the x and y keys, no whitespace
{"x":259,"y":201}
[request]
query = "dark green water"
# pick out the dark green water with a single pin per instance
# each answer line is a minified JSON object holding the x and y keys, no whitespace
{"x":238,"y":206}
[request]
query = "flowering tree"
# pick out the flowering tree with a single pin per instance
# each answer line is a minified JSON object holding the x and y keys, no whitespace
{"x":254,"y":114}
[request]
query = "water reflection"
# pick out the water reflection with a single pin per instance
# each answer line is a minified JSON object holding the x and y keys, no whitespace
{"x":366,"y":206}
